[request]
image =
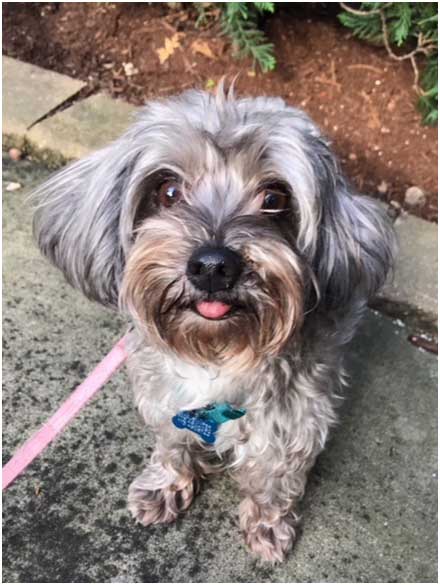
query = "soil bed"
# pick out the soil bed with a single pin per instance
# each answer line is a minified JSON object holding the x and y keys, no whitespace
{"x":362,"y":100}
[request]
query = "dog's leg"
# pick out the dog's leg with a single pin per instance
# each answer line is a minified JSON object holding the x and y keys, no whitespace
{"x":166,"y":487}
{"x":272,"y":475}
{"x":267,"y":512}
{"x":269,"y":529}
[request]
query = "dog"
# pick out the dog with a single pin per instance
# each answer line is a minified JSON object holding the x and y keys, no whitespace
{"x":224,"y":229}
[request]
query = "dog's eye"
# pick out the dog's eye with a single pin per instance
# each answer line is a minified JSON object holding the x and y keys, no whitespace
{"x":274,"y":201}
{"x":169,"y":193}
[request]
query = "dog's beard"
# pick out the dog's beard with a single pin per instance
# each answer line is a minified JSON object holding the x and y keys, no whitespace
{"x":267,"y":303}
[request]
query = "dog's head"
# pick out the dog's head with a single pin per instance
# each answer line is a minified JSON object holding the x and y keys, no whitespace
{"x":218,"y":224}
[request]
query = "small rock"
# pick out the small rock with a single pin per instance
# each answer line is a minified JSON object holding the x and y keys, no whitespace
{"x":391,"y":105}
{"x":415,"y":196}
{"x":352,"y":156}
{"x":13,"y":186}
{"x":382,"y":187}
{"x":15,"y":154}
{"x":385,"y":130}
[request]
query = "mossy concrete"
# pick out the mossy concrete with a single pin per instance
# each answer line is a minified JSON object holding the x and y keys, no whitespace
{"x":82,"y":128}
{"x":30,"y":93}
{"x":370,"y":513}
{"x":415,"y":276}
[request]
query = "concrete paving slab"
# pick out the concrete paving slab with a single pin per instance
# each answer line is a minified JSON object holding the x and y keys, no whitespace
{"x":30,"y":92}
{"x":370,"y":513}
{"x":415,"y":278}
{"x":84,"y":127}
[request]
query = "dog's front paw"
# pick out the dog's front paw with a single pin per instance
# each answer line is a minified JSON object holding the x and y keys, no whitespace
{"x":160,"y":505}
{"x":267,"y":533}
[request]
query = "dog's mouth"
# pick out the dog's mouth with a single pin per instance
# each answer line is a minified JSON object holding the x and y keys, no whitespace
{"x":213,"y":310}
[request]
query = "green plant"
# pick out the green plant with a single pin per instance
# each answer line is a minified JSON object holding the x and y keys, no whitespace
{"x":412,"y":25}
{"x":240,"y":22}
{"x":429,"y":99}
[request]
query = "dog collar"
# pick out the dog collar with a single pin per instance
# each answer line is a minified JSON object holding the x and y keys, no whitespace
{"x":206,"y":421}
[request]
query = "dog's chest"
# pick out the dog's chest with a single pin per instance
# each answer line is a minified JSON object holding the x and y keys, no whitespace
{"x":165,"y":386}
{"x":193,"y":386}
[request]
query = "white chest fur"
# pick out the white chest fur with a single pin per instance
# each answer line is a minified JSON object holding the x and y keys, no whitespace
{"x":193,"y":386}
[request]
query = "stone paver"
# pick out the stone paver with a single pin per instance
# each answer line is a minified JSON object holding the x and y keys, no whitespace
{"x":84,"y":127}
{"x":30,"y":92}
{"x":415,"y":278}
{"x":370,"y":513}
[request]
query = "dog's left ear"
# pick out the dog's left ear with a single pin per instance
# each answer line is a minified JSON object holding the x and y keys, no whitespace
{"x":77,"y":220}
{"x":356,"y":243}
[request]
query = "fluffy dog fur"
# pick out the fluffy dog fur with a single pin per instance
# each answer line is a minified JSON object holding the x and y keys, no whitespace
{"x":308,"y":274}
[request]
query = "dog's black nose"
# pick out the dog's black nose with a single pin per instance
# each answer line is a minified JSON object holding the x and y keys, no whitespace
{"x":214,"y":269}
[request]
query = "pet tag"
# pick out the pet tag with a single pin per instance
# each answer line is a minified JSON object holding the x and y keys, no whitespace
{"x":205,"y":421}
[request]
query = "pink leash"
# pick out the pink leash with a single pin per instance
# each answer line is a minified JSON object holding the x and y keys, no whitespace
{"x":66,"y":412}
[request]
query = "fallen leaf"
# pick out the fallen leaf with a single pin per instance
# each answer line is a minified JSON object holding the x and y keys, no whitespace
{"x":210,"y":84}
{"x":171,"y":44}
{"x":203,"y":48}
{"x":251,"y":73}
{"x":13,"y":186}
{"x":129,"y":69}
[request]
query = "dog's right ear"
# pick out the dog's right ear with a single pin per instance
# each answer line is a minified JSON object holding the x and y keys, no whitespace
{"x":77,"y":220}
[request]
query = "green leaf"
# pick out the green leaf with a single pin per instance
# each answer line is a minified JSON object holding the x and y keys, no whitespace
{"x":428,"y":103}
{"x":402,"y":26}
{"x":265,"y":6}
{"x":240,"y":22}
{"x":365,"y":27}
{"x":237,"y":10}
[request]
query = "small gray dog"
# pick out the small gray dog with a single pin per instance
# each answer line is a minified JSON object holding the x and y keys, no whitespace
{"x":224,"y":229}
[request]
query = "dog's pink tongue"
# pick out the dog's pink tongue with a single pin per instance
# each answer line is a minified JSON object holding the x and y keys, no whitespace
{"x":212,"y":309}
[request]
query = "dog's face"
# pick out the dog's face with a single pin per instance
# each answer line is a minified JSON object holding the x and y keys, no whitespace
{"x":214,"y":272}
{"x":218,"y":224}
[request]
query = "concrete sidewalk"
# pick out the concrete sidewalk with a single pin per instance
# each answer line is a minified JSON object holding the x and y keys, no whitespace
{"x":370,"y":513}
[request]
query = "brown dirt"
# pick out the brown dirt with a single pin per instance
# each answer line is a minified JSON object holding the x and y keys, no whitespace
{"x":363,"y":100}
